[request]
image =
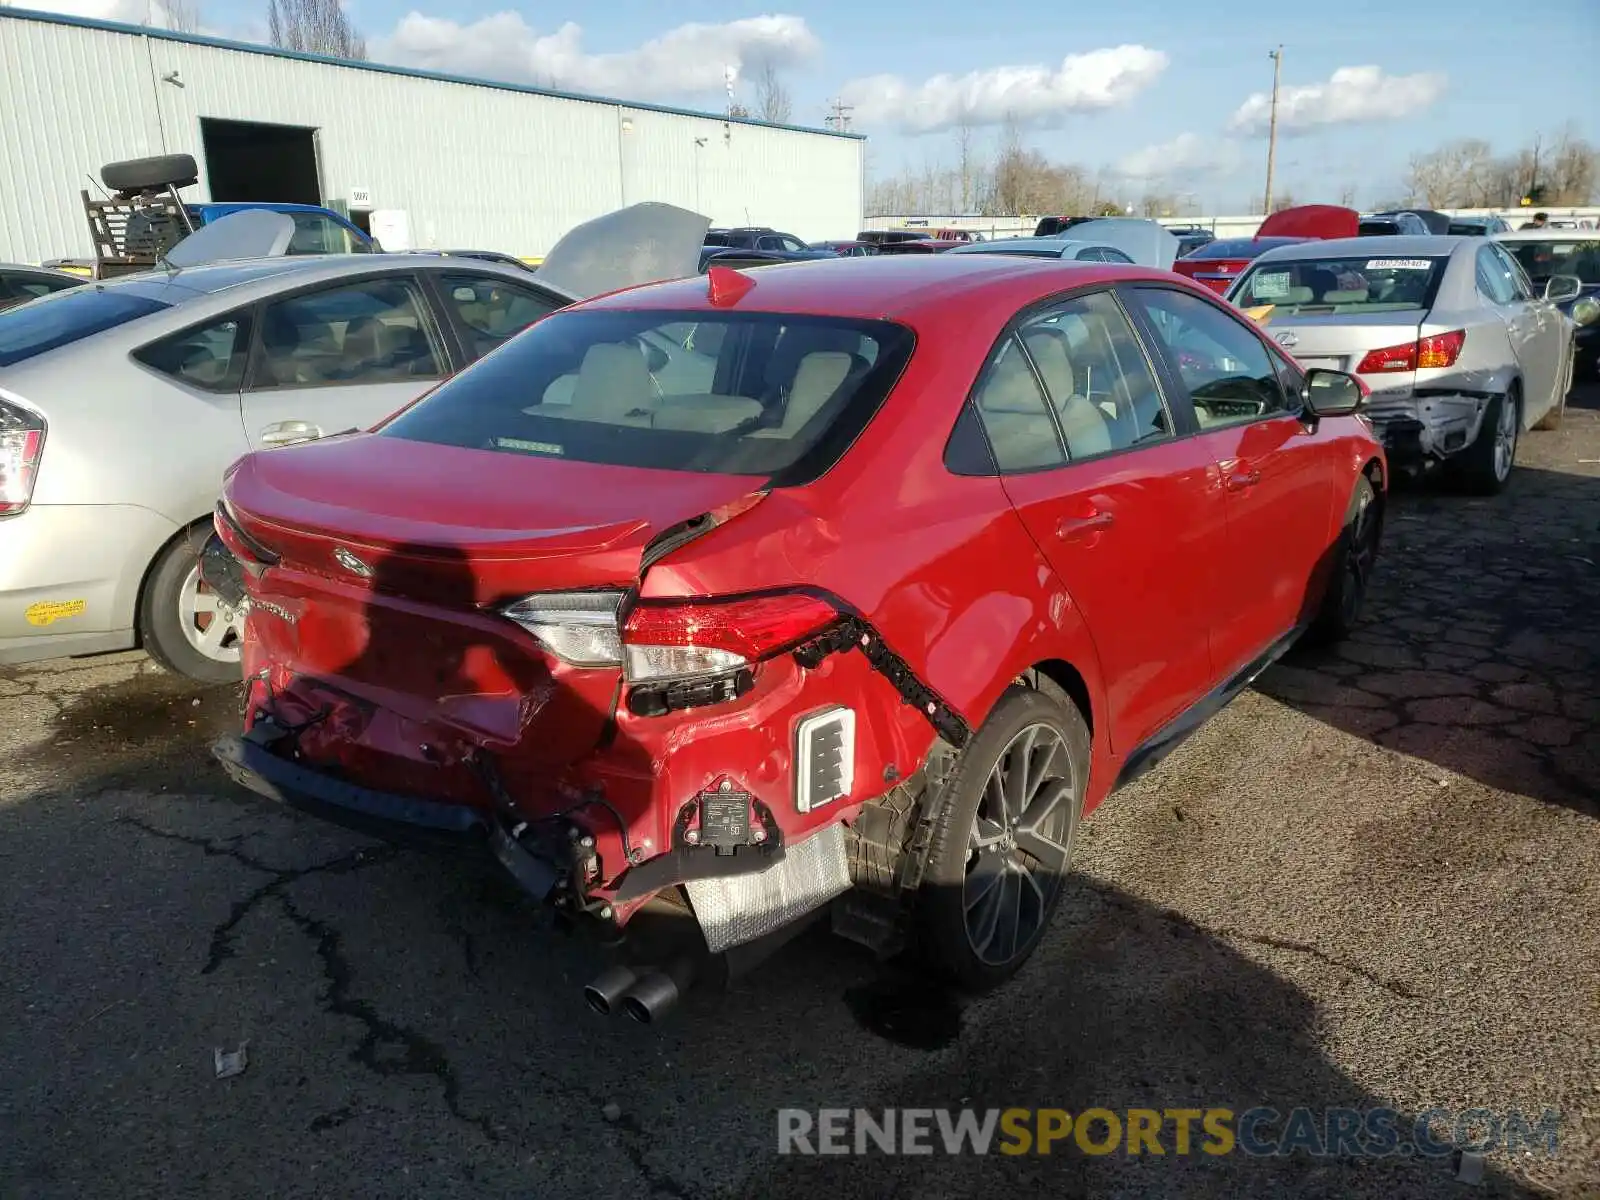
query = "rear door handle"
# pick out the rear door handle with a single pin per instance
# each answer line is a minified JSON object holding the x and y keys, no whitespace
{"x":286,"y":433}
{"x":1070,"y":528}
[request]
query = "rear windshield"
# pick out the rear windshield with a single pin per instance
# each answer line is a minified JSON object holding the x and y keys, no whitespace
{"x":1235,"y":248}
{"x":1378,"y":229}
{"x":64,"y":317}
{"x":1541,"y":260}
{"x":1364,"y":284}
{"x":766,"y":394}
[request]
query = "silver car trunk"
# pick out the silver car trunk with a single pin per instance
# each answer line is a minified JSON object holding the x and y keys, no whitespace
{"x":1339,"y":341}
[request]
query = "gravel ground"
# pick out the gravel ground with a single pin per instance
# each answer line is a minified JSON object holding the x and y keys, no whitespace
{"x":1373,"y":881}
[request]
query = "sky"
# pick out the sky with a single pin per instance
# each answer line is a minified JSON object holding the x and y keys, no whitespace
{"x":1162,"y":98}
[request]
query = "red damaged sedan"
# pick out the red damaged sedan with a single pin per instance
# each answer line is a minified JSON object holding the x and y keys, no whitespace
{"x":844,"y":589}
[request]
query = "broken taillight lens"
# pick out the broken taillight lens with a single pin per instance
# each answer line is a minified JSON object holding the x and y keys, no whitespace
{"x":682,"y":639}
{"x":21,"y":447}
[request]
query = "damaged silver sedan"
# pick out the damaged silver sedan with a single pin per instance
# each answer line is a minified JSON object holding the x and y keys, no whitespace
{"x":1461,"y":351}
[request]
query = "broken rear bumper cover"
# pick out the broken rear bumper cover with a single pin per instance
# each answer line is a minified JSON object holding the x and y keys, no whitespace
{"x":1425,"y":425}
{"x":739,"y":895}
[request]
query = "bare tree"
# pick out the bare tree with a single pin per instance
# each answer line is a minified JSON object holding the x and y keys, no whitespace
{"x":773,"y":102}
{"x":183,"y":16}
{"x":965,"y":162}
{"x":314,"y":27}
{"x":1569,"y":173}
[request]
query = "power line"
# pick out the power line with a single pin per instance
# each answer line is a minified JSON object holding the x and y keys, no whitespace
{"x":838,"y":118}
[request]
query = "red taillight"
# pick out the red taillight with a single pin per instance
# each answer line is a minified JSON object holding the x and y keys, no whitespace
{"x":1390,"y":358}
{"x":21,"y":447}
{"x":750,"y":627}
{"x":1435,"y":350}
{"x":1440,"y":349}
{"x":670,"y":640}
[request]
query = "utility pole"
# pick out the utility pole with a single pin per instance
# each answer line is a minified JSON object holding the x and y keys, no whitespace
{"x":838,"y":118}
{"x":1272,"y":130}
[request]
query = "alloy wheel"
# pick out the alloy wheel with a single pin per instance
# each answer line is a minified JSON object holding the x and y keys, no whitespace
{"x":1359,"y":560}
{"x":1505,"y":438}
{"x":1020,"y":844}
{"x":213,"y":627}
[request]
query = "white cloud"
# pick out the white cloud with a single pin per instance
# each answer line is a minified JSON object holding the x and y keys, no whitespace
{"x":1351,"y":95}
{"x":684,"y":62}
{"x":1032,"y":95}
{"x":1188,"y":156}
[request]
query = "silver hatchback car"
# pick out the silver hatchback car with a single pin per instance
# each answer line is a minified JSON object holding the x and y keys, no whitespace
{"x":1460,"y":351}
{"x":123,"y":402}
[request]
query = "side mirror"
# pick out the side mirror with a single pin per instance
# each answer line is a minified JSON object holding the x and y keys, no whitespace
{"x":1562,"y":287}
{"x":1586,"y":311}
{"x":1333,"y":393}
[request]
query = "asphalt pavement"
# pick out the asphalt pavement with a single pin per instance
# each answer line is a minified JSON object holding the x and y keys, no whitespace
{"x":1372,"y":882}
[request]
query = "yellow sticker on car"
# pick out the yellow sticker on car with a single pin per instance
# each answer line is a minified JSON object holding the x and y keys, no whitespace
{"x":47,"y":611}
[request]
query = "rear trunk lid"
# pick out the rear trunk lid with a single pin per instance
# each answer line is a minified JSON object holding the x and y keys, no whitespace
{"x":394,"y":559}
{"x":1215,"y":273}
{"x":1339,"y":341}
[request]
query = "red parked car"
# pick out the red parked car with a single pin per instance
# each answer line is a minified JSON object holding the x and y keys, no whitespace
{"x":845,"y":588}
{"x":1219,"y":263}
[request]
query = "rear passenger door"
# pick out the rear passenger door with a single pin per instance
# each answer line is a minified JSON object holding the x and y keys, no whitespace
{"x":1122,"y":507}
{"x":1276,"y":472}
{"x":338,"y":357}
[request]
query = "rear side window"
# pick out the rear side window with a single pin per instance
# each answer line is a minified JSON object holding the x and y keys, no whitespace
{"x":361,"y":333}
{"x":1368,"y":283}
{"x":736,"y":394}
{"x":66,"y":317}
{"x":210,"y":357}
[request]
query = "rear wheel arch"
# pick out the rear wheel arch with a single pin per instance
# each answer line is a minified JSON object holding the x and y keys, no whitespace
{"x":150,"y":568}
{"x":1060,"y":676}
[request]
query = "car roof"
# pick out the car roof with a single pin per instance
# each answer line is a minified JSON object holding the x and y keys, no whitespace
{"x":212,"y":279}
{"x":1059,"y":246}
{"x":272,"y":206}
{"x":1550,"y":233}
{"x":897,"y":286}
{"x":1433,"y":245}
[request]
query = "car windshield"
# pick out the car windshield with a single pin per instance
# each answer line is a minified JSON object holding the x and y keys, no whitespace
{"x":736,"y":394}
{"x":64,"y":317}
{"x":1362,"y":284}
{"x":1541,"y":260}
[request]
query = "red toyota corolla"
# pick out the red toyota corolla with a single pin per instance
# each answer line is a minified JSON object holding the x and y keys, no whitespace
{"x":843,"y":588}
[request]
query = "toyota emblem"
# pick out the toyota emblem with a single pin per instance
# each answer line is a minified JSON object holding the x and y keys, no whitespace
{"x":1288,"y":338}
{"x":351,"y":563}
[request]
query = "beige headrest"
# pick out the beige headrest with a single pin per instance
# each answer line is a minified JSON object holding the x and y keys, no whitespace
{"x":613,"y":382}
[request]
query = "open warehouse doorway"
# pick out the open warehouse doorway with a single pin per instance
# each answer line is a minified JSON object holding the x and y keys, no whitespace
{"x":250,"y":160}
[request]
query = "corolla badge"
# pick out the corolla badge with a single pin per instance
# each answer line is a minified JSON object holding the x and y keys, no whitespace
{"x":351,"y":563}
{"x":1288,"y":338}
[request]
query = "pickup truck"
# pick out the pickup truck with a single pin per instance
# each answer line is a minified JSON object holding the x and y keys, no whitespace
{"x":144,"y":217}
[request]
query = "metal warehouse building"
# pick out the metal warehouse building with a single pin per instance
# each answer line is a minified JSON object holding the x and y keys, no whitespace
{"x":452,"y":162}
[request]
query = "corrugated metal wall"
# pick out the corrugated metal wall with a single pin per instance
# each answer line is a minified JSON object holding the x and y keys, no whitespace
{"x":472,"y":166}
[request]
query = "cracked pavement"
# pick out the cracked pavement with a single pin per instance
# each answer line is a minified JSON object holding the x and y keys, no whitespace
{"x":1374,"y":880}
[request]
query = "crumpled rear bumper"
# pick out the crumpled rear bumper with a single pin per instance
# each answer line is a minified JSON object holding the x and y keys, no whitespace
{"x":1424,"y":426}
{"x":386,"y":815}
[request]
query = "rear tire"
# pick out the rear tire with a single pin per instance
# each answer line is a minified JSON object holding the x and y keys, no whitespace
{"x":183,"y":625}
{"x":1003,"y":841}
{"x":142,"y":174}
{"x":1484,"y":468}
{"x":1357,"y":554}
